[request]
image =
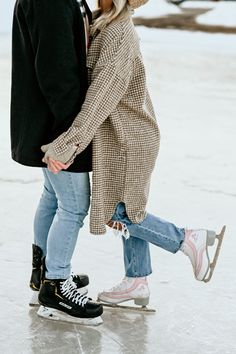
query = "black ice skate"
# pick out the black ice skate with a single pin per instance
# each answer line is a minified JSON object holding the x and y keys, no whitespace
{"x":62,"y":301}
{"x":38,"y":274}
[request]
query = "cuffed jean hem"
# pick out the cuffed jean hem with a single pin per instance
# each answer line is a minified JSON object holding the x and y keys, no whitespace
{"x":56,"y":277}
{"x":153,"y":230}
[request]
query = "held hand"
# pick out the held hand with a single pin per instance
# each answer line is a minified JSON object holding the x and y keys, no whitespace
{"x":58,"y":161}
{"x":55,"y":166}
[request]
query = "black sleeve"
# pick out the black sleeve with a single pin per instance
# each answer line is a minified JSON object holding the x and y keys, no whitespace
{"x":51,"y":24}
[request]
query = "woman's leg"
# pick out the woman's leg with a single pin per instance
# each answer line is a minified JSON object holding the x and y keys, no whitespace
{"x":137,"y":259}
{"x":152,"y":229}
{"x":193,"y":243}
{"x":166,"y":235}
{"x":134,"y":286}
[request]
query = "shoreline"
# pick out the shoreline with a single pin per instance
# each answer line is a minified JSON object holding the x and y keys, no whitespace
{"x":184,"y":21}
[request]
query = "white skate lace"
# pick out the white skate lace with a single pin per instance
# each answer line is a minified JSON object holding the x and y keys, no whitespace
{"x":71,"y":292}
{"x":117,"y":286}
{"x":123,"y":232}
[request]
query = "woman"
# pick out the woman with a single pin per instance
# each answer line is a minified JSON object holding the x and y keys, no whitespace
{"x":118,"y":116}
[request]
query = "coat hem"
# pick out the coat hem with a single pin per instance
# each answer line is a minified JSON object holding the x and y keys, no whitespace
{"x":133,"y":219}
{"x":37,"y":164}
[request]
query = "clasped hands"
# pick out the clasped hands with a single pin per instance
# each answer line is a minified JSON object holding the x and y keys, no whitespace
{"x":55,"y":166}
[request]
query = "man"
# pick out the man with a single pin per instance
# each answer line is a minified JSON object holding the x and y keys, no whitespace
{"x":49,"y":84}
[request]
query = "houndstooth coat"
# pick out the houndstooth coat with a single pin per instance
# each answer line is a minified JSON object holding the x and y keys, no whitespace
{"x":118,"y":116}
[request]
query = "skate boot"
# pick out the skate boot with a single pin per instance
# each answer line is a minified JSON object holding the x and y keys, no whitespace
{"x":61,"y":300}
{"x":195,"y":246}
{"x":135,"y":289}
{"x":38,"y":274}
{"x":35,"y":279}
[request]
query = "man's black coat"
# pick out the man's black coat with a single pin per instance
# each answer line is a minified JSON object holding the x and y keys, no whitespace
{"x":49,"y":77}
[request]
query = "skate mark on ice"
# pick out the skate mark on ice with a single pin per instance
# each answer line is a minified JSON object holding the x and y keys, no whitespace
{"x":198,"y":157}
{"x":207,"y":190}
{"x":20,"y":181}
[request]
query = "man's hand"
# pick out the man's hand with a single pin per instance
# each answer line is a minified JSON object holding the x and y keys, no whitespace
{"x":55,"y":166}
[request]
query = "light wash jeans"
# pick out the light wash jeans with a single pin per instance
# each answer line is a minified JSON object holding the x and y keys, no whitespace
{"x":151,"y":230}
{"x":60,"y":214}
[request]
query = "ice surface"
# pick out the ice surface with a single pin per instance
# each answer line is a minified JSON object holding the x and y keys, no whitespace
{"x":192,"y":81}
{"x":223,"y":14}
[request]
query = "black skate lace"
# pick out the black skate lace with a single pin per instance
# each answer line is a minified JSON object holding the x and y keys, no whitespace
{"x":71,"y":292}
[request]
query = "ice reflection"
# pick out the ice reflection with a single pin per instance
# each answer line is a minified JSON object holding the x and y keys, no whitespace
{"x":55,"y":337}
{"x":128,"y":329}
{"x":121,"y":332}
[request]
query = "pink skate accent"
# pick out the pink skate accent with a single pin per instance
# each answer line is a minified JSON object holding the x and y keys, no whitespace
{"x":137,"y":282}
{"x":192,"y":247}
{"x":120,"y":294}
{"x":200,"y":261}
{"x":188,"y":233}
{"x":197,"y":255}
{"x":195,"y":246}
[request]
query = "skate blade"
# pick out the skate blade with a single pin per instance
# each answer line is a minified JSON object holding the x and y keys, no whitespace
{"x":56,"y":315}
{"x":213,"y":263}
{"x":130,"y":308}
{"x":34,"y":299}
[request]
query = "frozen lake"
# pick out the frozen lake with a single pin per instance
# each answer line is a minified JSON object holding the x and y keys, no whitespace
{"x":192,"y":78}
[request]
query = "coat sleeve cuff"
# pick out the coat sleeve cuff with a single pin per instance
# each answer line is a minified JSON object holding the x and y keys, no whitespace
{"x":66,"y":157}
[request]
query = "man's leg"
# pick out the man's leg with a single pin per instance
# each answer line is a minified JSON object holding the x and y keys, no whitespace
{"x":59,"y":295}
{"x":44,"y":214}
{"x":73,"y":195}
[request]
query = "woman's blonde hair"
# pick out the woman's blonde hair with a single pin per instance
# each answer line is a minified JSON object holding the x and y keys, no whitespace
{"x":119,"y":10}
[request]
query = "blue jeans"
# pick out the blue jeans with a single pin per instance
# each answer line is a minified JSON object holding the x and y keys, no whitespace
{"x":151,"y":230}
{"x":60,"y":215}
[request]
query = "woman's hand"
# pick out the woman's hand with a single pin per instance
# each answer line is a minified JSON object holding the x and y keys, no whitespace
{"x":58,"y":161}
{"x":55,"y":166}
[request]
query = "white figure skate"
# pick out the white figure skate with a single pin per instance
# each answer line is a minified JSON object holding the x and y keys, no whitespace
{"x":195,"y":246}
{"x":129,"y":289}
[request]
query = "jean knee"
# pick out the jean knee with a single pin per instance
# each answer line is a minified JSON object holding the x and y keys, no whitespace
{"x":72,"y":212}
{"x":48,"y":199}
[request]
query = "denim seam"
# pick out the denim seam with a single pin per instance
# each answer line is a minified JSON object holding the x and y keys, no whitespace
{"x":158,"y":233}
{"x":68,"y":239}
